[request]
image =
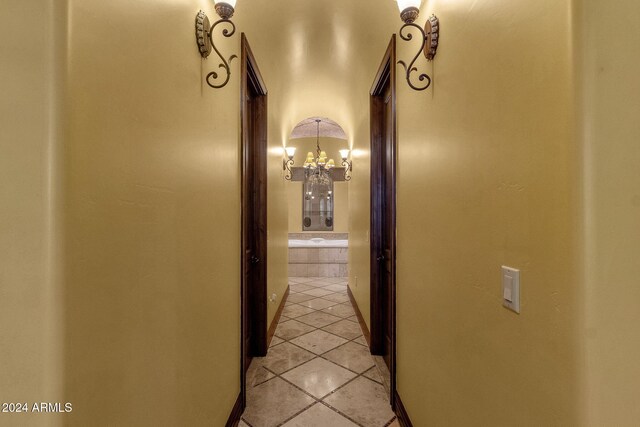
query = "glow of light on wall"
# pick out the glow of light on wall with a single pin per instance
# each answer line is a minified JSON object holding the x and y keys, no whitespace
{"x":297,"y":45}
{"x":359,"y":153}
{"x":341,"y":41}
{"x":277,"y":151}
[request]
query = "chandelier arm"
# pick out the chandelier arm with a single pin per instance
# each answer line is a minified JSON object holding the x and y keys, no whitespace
{"x":318,"y":138}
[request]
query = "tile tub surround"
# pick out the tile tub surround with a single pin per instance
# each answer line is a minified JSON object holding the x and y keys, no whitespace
{"x":318,"y":262}
{"x":318,"y":371}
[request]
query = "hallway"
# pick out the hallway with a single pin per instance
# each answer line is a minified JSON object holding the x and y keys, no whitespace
{"x":318,"y":371}
{"x":136,"y":135}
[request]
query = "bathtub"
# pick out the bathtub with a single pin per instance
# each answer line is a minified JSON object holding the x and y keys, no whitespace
{"x":318,"y":257}
{"x":318,"y":242}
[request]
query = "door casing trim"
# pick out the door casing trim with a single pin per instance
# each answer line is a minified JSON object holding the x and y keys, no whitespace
{"x":250,"y":75}
{"x":386,"y":75}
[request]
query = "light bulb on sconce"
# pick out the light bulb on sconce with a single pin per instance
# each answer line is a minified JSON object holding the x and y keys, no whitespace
{"x":288,"y":162}
{"x":230,"y":3}
{"x":348,"y":164}
{"x":204,"y":38}
{"x":291,"y":151}
{"x":225,"y":9}
{"x":409,"y":11}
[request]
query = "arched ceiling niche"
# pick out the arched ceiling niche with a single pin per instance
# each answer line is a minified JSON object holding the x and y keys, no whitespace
{"x":308,"y":128}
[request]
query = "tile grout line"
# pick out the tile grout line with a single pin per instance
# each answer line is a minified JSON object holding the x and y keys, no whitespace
{"x":321,"y":356}
{"x":316,"y":399}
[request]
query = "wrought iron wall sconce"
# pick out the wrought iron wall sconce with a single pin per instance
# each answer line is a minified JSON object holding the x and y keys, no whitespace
{"x":409,"y":11}
{"x":288,"y":162}
{"x":204,"y":39}
{"x":348,"y":164}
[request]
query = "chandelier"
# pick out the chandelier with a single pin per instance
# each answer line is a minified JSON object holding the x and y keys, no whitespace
{"x":318,"y":165}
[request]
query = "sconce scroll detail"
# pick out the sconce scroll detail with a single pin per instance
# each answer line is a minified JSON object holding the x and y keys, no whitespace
{"x":204,"y":39}
{"x":348,"y":167}
{"x":286,"y":165}
{"x":429,"y":46}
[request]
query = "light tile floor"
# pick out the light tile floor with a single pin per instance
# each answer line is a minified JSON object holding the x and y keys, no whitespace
{"x":318,"y":371}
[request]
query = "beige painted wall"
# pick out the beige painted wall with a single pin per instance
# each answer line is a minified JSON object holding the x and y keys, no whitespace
{"x":30,"y":112}
{"x":360,"y":204}
{"x":608,"y":66}
{"x":487,"y":176}
{"x":340,"y":188}
{"x":152,"y":219}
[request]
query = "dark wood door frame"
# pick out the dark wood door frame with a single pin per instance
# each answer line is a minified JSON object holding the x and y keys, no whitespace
{"x":385,"y":79}
{"x":253,"y":287}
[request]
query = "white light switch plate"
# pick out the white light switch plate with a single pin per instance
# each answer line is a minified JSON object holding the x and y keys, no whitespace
{"x":511,"y":288}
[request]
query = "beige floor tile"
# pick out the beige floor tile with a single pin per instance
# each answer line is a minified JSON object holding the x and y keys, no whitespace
{"x":353,"y":319}
{"x":320,"y":284}
{"x":318,"y":319}
{"x":285,"y":356}
{"x":291,"y":329}
{"x":384,"y":373}
{"x":345,"y":329}
{"x":364,"y":401}
{"x":319,"y":416}
{"x":337,"y":297}
{"x":300,"y":279}
{"x":342,"y":310}
{"x":374,"y":375}
{"x":360,"y":340}
{"x":336,"y":288}
{"x":272,"y":402}
{"x":318,"y":341}
{"x":395,"y":423}
{"x":275,"y":341}
{"x":318,"y":292}
{"x":257,"y":374}
{"x":243,"y":424}
{"x":299,"y":298}
{"x":317,"y":303}
{"x":300,"y":287}
{"x":352,"y":356}
{"x":319,"y":377}
{"x":334,"y":280}
{"x":295,"y":310}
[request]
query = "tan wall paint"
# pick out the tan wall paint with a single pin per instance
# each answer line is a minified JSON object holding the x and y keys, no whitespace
{"x":318,"y":60}
{"x":609,"y":55}
{"x":152,"y":219}
{"x":277,"y":212}
{"x":30,"y":117}
{"x":360,"y":204}
{"x":340,"y":188}
{"x":487,"y":176}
